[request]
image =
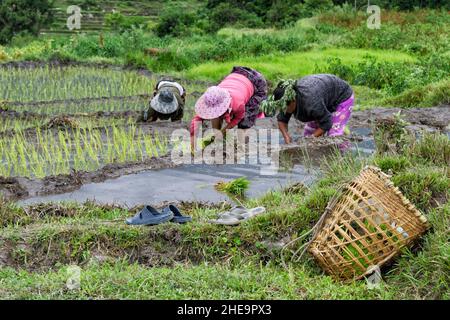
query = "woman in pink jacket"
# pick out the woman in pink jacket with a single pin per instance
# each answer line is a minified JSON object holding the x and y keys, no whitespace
{"x":236,"y":100}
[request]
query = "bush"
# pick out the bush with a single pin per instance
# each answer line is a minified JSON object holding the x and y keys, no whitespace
{"x":316,"y":6}
{"x":393,"y":77}
{"x":411,"y":4}
{"x":227,"y":15}
{"x":431,"y":95}
{"x":283,"y":13}
{"x":120,"y":22}
{"x":17,"y":16}
{"x":175,"y":22}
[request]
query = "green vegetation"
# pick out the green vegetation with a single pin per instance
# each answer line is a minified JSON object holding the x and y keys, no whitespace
{"x":405,"y":63}
{"x":18,"y":16}
{"x":42,"y":152}
{"x":48,"y":83}
{"x":13,"y":125}
{"x":132,"y":103}
{"x":287,"y":65}
{"x":236,"y":187}
{"x":42,"y":241}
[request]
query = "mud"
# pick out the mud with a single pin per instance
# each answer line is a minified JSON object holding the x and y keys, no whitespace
{"x":432,"y":118}
{"x":12,"y":188}
{"x":435,"y":117}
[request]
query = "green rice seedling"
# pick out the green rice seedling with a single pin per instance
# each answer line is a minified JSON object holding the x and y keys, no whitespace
{"x":235,"y":187}
{"x":62,"y":83}
{"x":17,"y":124}
{"x":391,"y":135}
{"x":206,"y":141}
{"x":48,"y":152}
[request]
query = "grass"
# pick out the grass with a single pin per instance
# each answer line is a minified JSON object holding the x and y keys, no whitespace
{"x":427,"y":96}
{"x":124,"y":281}
{"x":293,"y":65}
{"x":42,"y":241}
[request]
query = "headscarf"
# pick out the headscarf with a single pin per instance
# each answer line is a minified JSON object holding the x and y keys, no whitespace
{"x":271,"y":106}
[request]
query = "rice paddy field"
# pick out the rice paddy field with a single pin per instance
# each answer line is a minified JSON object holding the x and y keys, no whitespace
{"x":71,"y":115}
{"x":48,"y":142}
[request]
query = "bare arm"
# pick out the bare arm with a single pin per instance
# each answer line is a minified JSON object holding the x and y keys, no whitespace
{"x":284,"y":131}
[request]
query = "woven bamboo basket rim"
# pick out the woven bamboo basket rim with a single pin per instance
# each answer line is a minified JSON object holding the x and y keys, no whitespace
{"x":421,"y":218}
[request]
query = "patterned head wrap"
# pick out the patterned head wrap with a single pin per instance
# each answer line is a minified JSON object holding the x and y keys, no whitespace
{"x":271,"y":106}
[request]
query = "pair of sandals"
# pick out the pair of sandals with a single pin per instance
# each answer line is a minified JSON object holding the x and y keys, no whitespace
{"x":237,"y":215}
{"x":149,"y":216}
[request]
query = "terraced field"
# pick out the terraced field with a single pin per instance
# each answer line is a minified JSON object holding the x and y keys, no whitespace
{"x":94,"y":13}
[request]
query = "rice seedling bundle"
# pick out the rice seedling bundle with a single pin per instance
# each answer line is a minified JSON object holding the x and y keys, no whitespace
{"x":235,"y":187}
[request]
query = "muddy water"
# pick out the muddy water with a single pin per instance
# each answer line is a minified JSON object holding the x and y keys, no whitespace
{"x":196,"y":182}
{"x":185,"y":183}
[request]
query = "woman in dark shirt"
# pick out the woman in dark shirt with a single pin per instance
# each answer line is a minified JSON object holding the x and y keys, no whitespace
{"x":323,"y":101}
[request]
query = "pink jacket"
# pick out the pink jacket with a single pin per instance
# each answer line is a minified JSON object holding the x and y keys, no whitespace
{"x":241,"y":90}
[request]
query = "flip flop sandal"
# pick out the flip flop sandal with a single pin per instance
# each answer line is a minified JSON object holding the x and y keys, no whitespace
{"x":149,"y":216}
{"x":234,"y":212}
{"x":242,"y":213}
{"x":228,"y":221}
{"x":230,"y":218}
{"x":177,"y":216}
{"x":253,"y":212}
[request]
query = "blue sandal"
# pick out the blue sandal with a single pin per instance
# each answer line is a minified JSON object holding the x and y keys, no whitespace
{"x":177,"y":216}
{"x":150,"y":216}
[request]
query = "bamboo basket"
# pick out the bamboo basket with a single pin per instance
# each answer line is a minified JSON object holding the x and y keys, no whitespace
{"x":365,"y":226}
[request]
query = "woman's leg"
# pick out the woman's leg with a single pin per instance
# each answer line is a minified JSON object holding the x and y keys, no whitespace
{"x":341,"y":117}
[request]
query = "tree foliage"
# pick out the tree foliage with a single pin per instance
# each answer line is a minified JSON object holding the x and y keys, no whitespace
{"x":17,"y":16}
